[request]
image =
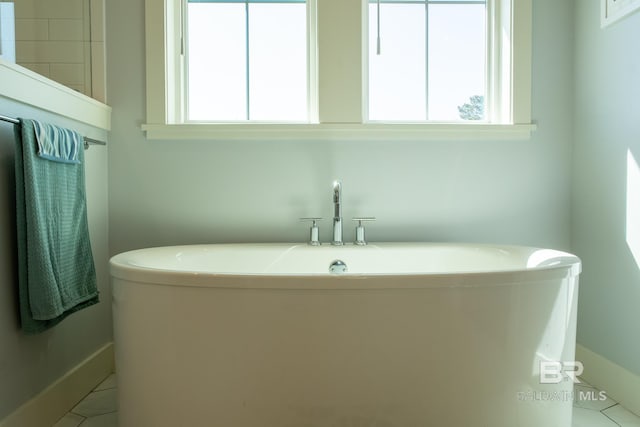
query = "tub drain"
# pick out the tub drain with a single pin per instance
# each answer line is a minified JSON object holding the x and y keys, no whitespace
{"x":337,"y":267}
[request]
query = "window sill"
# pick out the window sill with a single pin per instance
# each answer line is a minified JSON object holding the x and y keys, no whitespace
{"x":366,"y":131}
{"x":30,"y":88}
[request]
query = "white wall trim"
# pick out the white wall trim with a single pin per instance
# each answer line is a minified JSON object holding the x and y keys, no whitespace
{"x":364,"y":131}
{"x":56,"y":400}
{"x":338,"y":86}
{"x":30,"y":88}
{"x":613,"y":10}
{"x":621,"y":385}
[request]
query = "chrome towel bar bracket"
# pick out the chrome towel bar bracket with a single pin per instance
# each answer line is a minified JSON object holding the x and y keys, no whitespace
{"x":87,"y":141}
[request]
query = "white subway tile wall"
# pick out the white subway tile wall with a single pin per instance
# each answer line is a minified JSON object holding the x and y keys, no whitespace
{"x":64,"y":41}
{"x":66,"y":29}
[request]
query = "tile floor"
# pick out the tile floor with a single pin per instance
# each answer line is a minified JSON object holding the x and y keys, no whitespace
{"x":594,"y":412}
{"x":99,"y":409}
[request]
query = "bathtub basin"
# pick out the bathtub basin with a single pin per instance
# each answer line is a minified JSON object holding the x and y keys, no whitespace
{"x":413,"y":334}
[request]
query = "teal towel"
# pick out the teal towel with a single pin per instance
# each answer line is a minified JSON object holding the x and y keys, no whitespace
{"x":56,"y":271}
{"x":58,"y":144}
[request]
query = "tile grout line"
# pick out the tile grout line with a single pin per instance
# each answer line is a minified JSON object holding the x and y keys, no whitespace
{"x":609,"y":407}
{"x":612,"y":420}
{"x":72,"y":413}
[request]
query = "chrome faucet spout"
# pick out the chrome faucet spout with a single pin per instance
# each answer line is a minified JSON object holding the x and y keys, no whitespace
{"x":337,"y":213}
{"x":337,"y":198}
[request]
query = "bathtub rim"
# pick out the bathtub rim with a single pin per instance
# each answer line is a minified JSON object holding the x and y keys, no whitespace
{"x":570,"y":266}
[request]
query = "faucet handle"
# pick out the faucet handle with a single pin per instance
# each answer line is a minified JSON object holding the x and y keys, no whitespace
{"x":360,"y":240}
{"x":314,"y":231}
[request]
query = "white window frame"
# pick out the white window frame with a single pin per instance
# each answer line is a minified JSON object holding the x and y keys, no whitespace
{"x":338,"y":86}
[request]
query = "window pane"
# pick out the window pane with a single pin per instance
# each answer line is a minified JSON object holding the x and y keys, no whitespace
{"x":278,"y":62}
{"x":411,"y":80}
{"x":457,"y":40}
{"x":217,"y":88}
{"x":397,"y":79}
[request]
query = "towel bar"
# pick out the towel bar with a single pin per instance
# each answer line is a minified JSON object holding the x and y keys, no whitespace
{"x":87,"y":141}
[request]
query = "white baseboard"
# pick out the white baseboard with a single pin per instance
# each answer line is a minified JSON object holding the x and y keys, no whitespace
{"x":621,"y":385}
{"x":55,"y":401}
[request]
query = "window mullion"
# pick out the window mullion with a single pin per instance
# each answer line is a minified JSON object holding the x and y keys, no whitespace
{"x":490,"y":104}
{"x":247,"y":83}
{"x":426,"y":58}
{"x":312,"y":62}
{"x":340,"y":73}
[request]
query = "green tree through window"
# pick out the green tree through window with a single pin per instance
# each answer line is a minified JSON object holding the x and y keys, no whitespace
{"x":473,"y":110}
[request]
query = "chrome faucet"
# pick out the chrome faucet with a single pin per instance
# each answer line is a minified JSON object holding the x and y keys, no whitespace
{"x":337,"y":214}
{"x":337,"y":222}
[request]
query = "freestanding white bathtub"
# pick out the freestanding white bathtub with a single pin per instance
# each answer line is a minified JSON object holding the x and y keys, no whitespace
{"x":413,"y":335}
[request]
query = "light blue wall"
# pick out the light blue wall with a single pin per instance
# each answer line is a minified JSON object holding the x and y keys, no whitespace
{"x":607,"y":127}
{"x":170,"y":192}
